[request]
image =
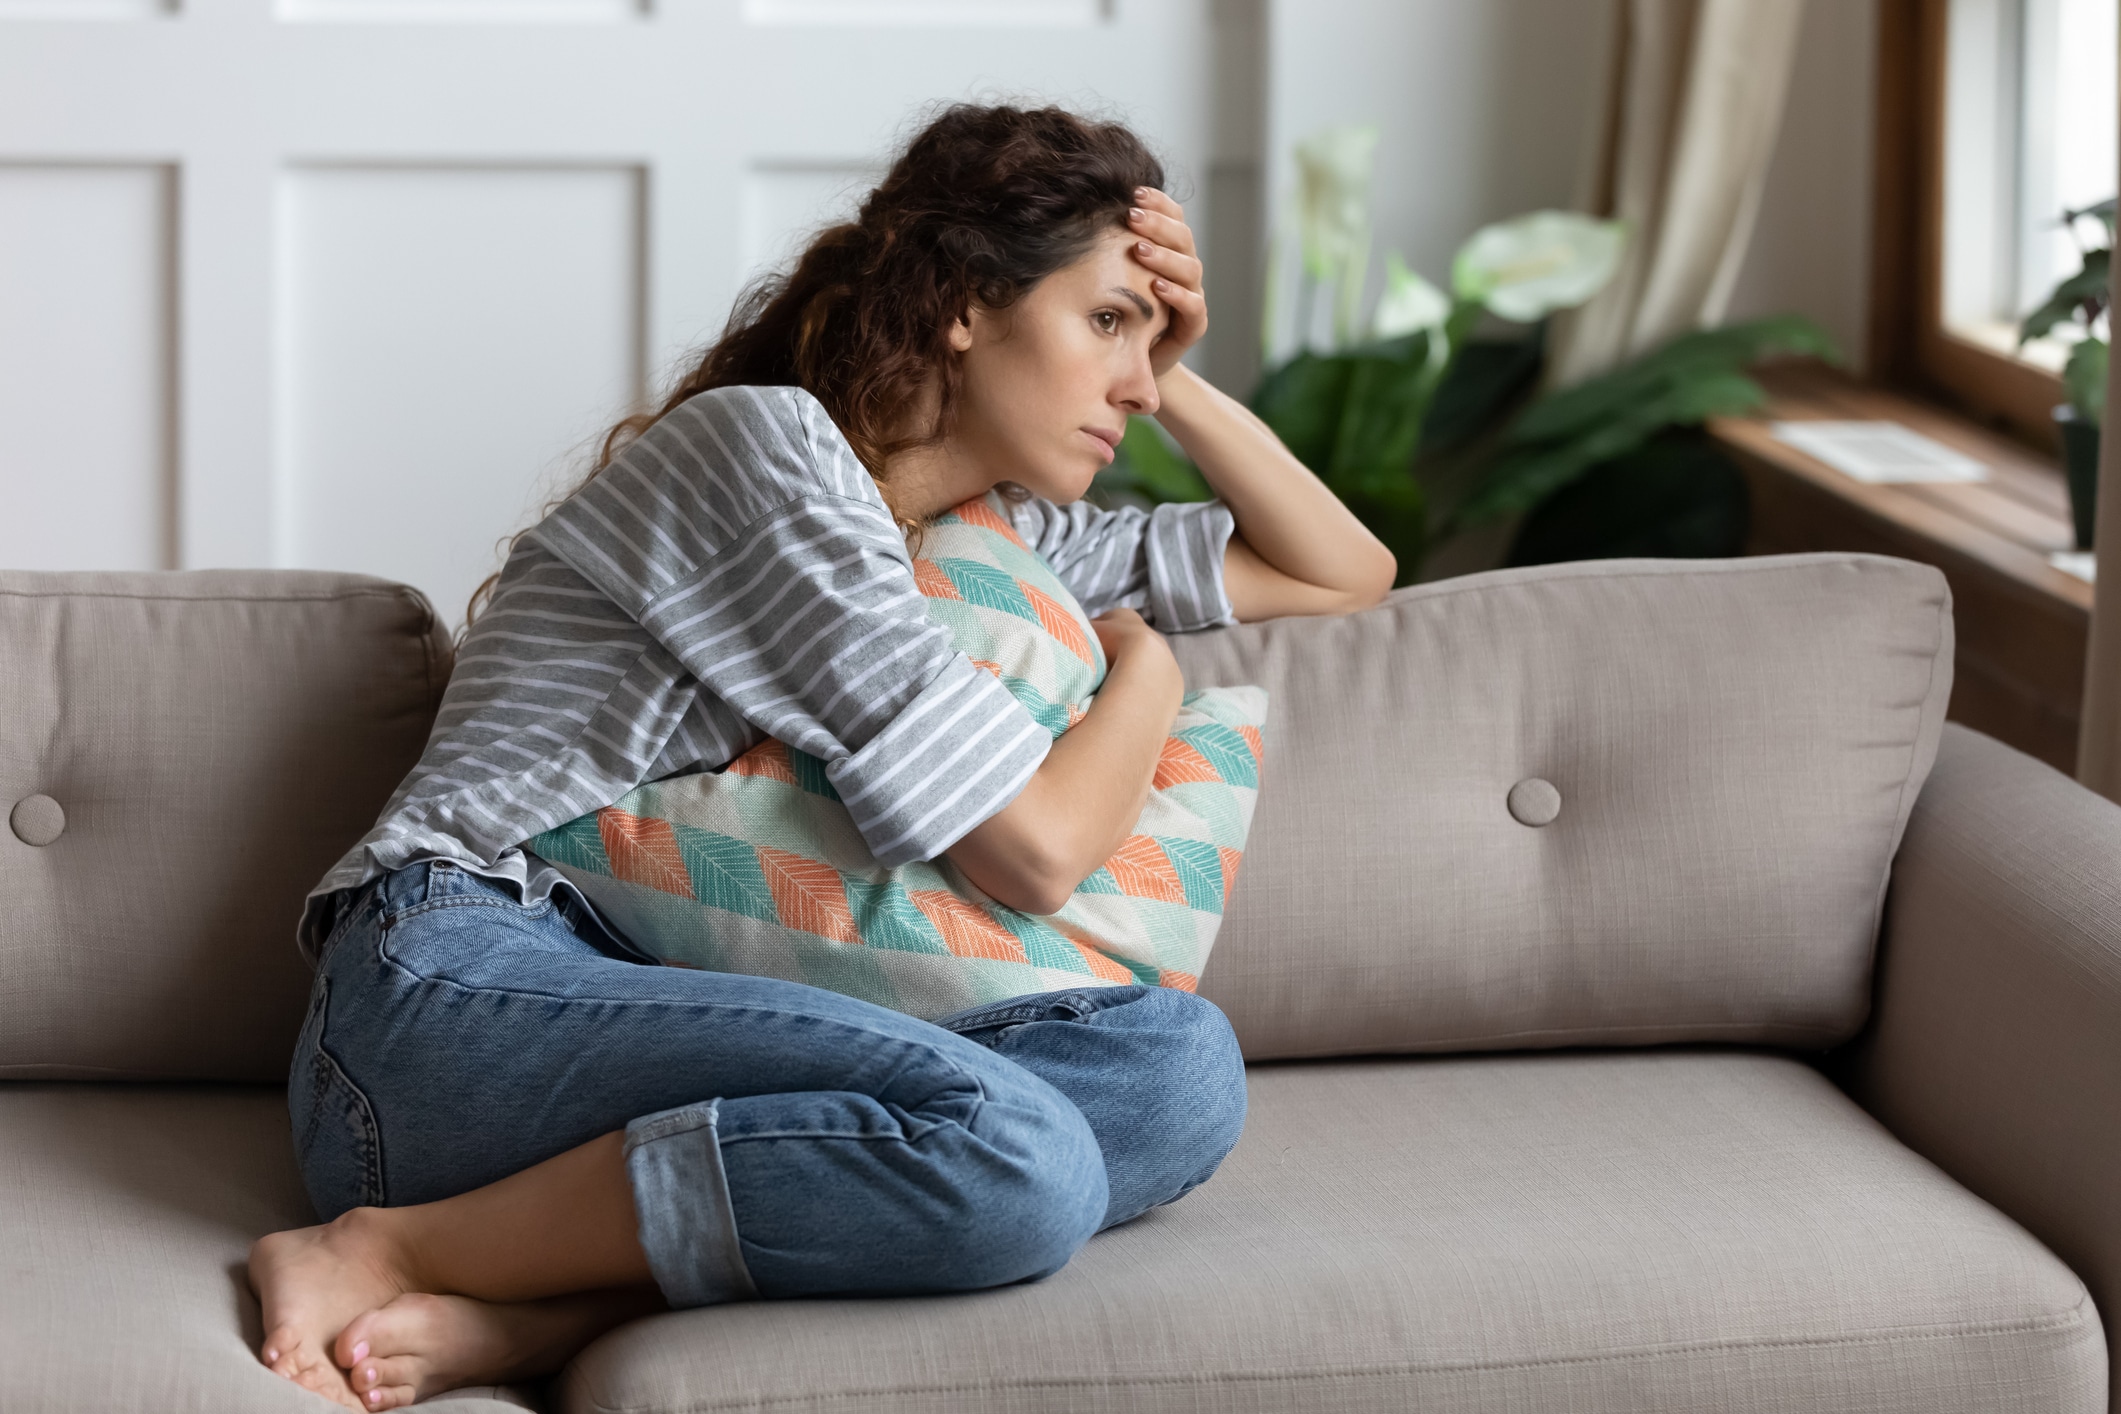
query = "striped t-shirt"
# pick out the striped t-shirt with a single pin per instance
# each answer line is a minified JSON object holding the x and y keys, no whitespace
{"x":734,"y":574}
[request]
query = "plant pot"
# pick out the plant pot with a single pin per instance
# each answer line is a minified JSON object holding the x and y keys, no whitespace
{"x":2080,"y":462}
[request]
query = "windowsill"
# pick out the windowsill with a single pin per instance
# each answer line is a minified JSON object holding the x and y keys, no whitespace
{"x":2021,"y":623}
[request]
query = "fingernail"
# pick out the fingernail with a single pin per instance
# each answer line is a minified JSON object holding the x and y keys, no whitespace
{"x":1135,"y":214}
{"x":1140,"y":192}
{"x":1143,"y":247}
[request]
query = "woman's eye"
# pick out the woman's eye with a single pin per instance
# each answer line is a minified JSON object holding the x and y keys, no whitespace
{"x":1107,"y":320}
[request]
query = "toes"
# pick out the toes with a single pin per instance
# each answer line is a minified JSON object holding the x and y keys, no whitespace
{"x":325,"y":1379}
{"x":387,"y":1330}
{"x":279,"y":1345}
{"x":387,"y":1374}
{"x":355,"y":1341}
{"x":388,"y":1397}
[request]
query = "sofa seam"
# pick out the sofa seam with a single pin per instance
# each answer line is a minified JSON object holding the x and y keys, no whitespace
{"x":2058,"y":1322}
{"x":1749,"y":564}
{"x":1904,"y":807}
{"x":392,"y":591}
{"x":1749,"y":1034}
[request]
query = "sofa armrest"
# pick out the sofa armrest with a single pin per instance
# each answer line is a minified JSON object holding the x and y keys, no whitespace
{"x":1994,"y":1047}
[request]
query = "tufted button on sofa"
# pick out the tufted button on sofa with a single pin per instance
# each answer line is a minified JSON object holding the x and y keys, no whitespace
{"x":1652,"y":1005}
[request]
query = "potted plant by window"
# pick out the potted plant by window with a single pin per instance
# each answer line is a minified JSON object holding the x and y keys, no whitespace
{"x":2081,"y":300}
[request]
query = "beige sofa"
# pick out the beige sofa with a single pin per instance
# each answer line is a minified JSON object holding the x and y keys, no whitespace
{"x":1582,"y":1095}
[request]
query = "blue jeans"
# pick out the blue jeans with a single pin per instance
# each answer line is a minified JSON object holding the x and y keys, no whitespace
{"x":781,"y":1140}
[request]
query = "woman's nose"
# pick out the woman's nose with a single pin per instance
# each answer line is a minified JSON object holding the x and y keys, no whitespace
{"x":1137,"y":389}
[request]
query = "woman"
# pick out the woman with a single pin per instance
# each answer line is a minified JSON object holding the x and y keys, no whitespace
{"x":520,"y":1135}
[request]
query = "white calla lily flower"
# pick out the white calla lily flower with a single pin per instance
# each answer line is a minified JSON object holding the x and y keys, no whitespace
{"x":1333,"y":197}
{"x":1409,"y":305}
{"x":1527,"y":268}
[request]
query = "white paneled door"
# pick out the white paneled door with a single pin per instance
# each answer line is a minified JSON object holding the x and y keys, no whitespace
{"x":353,"y":284}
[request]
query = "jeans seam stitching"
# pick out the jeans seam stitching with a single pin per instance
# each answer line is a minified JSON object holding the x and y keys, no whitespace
{"x":527,"y":910}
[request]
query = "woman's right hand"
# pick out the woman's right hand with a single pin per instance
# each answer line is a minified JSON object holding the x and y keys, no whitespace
{"x":1124,"y":634}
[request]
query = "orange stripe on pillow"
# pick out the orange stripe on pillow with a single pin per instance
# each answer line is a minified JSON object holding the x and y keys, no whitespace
{"x":978,"y":512}
{"x":966,"y":929}
{"x":931,"y":581}
{"x":643,"y":851}
{"x":1230,"y":860}
{"x":1058,"y":622}
{"x":1142,"y":870}
{"x":768,"y":760}
{"x":810,"y":896}
{"x":1256,"y":742}
{"x":1180,"y":763}
{"x":1103,"y":966}
{"x":1178,"y":981}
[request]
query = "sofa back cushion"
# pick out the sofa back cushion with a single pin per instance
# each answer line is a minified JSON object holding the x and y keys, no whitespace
{"x":1593,"y":804}
{"x":182,"y":756}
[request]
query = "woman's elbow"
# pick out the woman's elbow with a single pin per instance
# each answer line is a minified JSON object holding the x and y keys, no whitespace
{"x":1382,"y":572}
{"x":1034,"y":885}
{"x":1012,"y":866}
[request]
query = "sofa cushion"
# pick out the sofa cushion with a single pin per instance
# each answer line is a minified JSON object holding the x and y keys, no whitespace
{"x":1623,"y":1232}
{"x":207,"y":744}
{"x":1590,"y":804}
{"x":126,"y":1216}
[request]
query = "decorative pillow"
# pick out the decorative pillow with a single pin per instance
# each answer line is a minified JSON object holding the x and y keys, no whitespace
{"x":758,"y":868}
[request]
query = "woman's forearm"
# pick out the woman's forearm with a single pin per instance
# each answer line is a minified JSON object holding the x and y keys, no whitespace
{"x":1086,"y":796}
{"x":1284,"y":514}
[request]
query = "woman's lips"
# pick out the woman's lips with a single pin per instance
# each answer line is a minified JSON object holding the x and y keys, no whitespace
{"x":1107,"y":442}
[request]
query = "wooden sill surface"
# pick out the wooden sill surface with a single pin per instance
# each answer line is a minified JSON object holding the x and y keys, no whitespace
{"x":2010,"y":523}
{"x":2021,"y":624}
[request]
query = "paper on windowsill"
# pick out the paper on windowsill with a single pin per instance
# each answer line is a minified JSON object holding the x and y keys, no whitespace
{"x":1879,"y":453}
{"x":2084,"y":564}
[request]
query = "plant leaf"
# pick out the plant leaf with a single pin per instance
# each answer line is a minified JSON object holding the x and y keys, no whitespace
{"x":1485,"y":378}
{"x":1706,"y":353}
{"x":1301,"y":401}
{"x":1525,"y":475}
{"x":1677,"y":496}
{"x":2070,"y":298}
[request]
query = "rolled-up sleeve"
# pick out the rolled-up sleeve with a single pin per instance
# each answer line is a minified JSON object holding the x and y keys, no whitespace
{"x":805,"y":619}
{"x":1166,"y":563}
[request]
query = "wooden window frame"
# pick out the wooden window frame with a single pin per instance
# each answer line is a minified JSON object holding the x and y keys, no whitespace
{"x":1909,"y":346}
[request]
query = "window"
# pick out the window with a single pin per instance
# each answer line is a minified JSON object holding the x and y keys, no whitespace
{"x":1996,"y":117}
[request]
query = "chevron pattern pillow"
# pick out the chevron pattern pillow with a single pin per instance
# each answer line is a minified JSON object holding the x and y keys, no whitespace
{"x":758,"y":868}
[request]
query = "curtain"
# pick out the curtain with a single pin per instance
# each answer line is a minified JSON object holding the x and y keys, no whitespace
{"x":1692,"y":108}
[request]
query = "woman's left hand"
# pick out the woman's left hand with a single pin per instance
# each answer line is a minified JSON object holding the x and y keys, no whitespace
{"x":1164,"y":246}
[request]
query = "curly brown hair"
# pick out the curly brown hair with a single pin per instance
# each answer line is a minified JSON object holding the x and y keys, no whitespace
{"x":983,"y":203}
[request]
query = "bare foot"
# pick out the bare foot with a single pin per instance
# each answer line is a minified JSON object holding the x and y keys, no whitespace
{"x":420,"y":1345}
{"x":312,"y":1282}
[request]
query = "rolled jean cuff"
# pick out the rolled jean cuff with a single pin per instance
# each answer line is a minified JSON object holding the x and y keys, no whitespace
{"x":687,"y":1227}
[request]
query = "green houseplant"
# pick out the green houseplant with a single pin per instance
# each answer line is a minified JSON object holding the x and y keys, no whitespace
{"x":2081,"y":300}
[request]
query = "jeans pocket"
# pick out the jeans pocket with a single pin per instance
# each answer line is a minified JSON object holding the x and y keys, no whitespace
{"x":336,"y":1143}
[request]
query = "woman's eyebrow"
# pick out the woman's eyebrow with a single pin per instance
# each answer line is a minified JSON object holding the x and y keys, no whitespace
{"x":1148,"y":310}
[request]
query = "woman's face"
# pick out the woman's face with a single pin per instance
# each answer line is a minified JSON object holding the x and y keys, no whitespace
{"x":1049,"y":383}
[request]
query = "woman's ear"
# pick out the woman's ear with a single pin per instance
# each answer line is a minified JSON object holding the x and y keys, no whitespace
{"x":961,"y":332}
